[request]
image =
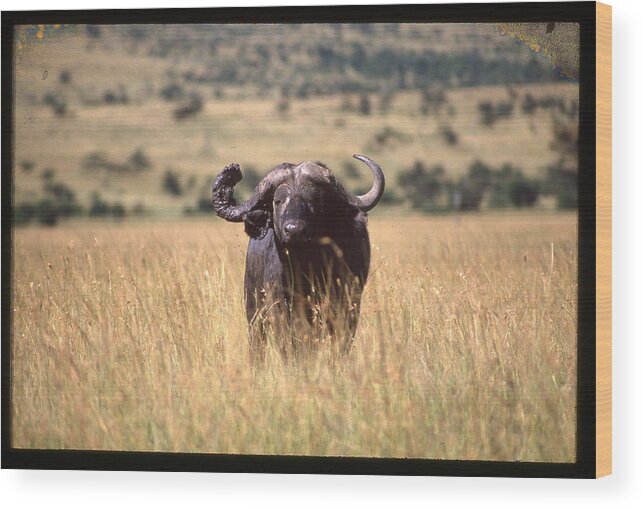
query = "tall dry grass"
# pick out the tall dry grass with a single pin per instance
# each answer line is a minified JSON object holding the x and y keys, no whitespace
{"x":133,"y":337}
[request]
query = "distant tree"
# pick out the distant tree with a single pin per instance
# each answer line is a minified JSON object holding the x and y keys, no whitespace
{"x":99,"y":207}
{"x":433,"y":100}
{"x":262,"y":51}
{"x":47,"y":213}
{"x":118,"y":210}
{"x":190,"y":108}
{"x":204,"y":205}
{"x":48,"y":174}
{"x":56,"y":102}
{"x":449,"y":135}
{"x":118,"y":96}
{"x":562,"y":175}
{"x":139,"y":161}
{"x":388,"y":136}
{"x":487,"y":113}
{"x":64,"y":77}
{"x":562,"y":180}
{"x":303,"y":91}
{"x":512,"y":188}
{"x":251,"y":178}
{"x":480,"y":173}
{"x":172,"y":92}
{"x":23,"y":213}
{"x":390,"y":197}
{"x":350,"y":169}
{"x":171,"y":183}
{"x":504,"y":109}
{"x":364,"y":104}
{"x":565,"y":140}
{"x":63,"y":198}
{"x":422,"y":185}
{"x":97,"y":161}
{"x":27,"y":165}
{"x":326,"y":55}
{"x":471,"y":188}
{"x":102,"y":209}
{"x":490,"y":112}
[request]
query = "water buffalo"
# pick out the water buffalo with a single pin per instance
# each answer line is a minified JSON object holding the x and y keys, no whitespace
{"x":309,"y":253}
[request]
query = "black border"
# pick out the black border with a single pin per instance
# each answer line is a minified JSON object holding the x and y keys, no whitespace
{"x":583,"y":13}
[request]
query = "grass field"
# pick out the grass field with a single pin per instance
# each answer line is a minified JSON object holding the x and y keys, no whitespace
{"x":133,"y":337}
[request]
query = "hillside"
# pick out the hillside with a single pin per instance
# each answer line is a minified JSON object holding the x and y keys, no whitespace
{"x":145,"y":117}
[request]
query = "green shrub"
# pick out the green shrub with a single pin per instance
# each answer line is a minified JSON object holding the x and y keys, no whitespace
{"x":251,"y":178}
{"x":364,"y":104}
{"x":102,"y":209}
{"x":48,"y":174}
{"x":562,"y":183}
{"x":204,"y":205}
{"x":490,"y":112}
{"x":99,"y":208}
{"x":190,"y":108}
{"x":139,"y":161}
{"x":171,"y":184}
{"x":422,"y":186}
{"x":449,"y":135}
{"x":117,"y":96}
{"x":471,"y":188}
{"x":118,"y":210}
{"x":487,"y":113}
{"x":350,"y":170}
{"x":172,"y":92}
{"x":511,"y":188}
{"x":47,"y":213}
{"x":64,"y":77}
{"x":389,"y":197}
{"x":27,"y":165}
{"x":56,"y":102}
{"x":23,"y":213}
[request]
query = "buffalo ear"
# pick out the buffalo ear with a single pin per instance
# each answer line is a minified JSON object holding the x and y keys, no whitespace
{"x":257,"y":223}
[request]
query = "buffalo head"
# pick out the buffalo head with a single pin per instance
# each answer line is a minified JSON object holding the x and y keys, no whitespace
{"x":298,"y":202}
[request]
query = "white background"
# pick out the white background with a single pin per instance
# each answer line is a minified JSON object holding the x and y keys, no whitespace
{"x":76,"y":489}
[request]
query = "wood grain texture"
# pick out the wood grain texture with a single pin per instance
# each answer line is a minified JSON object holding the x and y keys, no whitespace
{"x":603,"y":239}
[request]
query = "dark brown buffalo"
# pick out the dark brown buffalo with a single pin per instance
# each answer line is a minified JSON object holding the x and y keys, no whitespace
{"x":309,"y":253}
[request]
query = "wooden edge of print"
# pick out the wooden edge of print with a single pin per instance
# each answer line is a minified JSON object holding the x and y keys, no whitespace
{"x":603,"y":239}
{"x":15,"y":458}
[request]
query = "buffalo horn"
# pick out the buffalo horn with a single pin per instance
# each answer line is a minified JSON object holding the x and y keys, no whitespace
{"x":369,"y":200}
{"x":223,"y":200}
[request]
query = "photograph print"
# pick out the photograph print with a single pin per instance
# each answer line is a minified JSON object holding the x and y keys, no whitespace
{"x":313,"y":239}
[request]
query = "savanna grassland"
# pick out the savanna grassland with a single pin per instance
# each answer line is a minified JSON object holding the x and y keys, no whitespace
{"x":104,"y":115}
{"x":133,"y":337}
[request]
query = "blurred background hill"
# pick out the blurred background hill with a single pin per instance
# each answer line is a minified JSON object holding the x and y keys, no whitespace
{"x":136,"y":120}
